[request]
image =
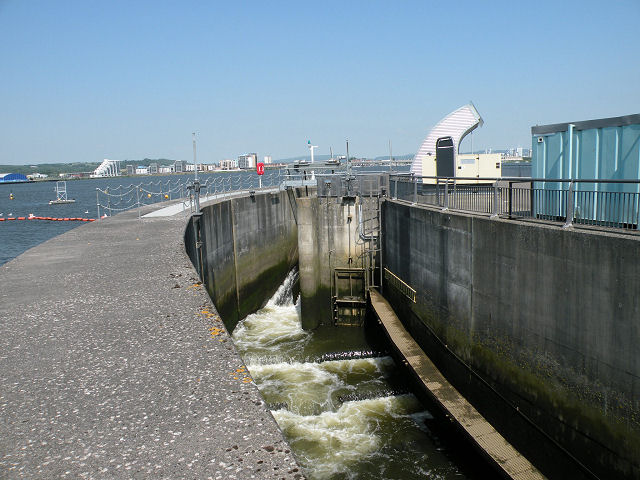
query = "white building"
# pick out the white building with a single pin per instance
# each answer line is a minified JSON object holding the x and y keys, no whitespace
{"x":267,"y":159}
{"x":228,"y":164}
{"x":247,"y":161}
{"x":142,"y":170}
{"x":37,"y":175}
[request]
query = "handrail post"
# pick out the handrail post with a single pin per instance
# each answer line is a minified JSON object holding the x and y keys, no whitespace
{"x":446,"y":195}
{"x":495,"y":200}
{"x":510,"y":199}
{"x":98,"y":201}
{"x":570,"y":210}
{"x":138,"y":198}
{"x":395,"y":195}
{"x":415,"y":190}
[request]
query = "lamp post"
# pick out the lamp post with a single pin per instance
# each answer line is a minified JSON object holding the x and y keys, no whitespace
{"x":195,"y":165}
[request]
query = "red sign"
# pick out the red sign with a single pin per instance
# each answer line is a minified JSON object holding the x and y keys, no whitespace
{"x":260,"y":168}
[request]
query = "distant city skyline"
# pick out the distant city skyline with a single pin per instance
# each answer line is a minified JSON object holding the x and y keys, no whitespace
{"x":83,"y":81}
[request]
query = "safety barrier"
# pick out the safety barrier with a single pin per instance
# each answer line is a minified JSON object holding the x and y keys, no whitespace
{"x":115,"y":200}
{"x":600,"y":203}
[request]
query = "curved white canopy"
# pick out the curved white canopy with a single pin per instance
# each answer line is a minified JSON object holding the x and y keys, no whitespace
{"x":108,"y":168}
{"x":456,"y":125}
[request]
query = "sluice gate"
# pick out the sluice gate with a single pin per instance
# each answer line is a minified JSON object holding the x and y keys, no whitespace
{"x":518,"y":316}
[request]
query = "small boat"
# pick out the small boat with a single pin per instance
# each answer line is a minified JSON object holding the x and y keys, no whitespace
{"x":61,"y":195}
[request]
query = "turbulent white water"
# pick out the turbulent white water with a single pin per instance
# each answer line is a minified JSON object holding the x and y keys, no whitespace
{"x":339,"y":416}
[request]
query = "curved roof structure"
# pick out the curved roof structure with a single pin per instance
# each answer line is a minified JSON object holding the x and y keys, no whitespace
{"x":13,"y":177}
{"x":457,"y":125}
{"x":108,"y":168}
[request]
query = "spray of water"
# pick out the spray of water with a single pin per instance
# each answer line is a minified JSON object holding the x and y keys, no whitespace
{"x":342,"y":417}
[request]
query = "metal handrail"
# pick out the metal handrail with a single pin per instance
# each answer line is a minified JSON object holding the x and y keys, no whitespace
{"x":546,"y":199}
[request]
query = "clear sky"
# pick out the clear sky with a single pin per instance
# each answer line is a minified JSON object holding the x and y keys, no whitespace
{"x":87,"y":80}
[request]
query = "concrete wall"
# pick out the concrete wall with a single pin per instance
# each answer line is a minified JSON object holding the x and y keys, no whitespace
{"x":532,"y":316}
{"x":249,"y":244}
{"x":327,"y":239}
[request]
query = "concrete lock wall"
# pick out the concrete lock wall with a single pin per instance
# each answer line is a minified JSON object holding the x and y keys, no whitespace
{"x":548,"y":319}
{"x":248,"y":245}
{"x":327,"y":239}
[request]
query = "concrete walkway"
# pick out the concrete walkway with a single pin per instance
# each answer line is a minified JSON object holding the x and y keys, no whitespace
{"x":114,"y":364}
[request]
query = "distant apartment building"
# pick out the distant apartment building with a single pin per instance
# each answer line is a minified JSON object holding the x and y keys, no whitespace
{"x":247,"y":161}
{"x":153,"y":169}
{"x":228,"y":164}
{"x":179,"y":166}
{"x":267,"y":160}
{"x":164,"y":169}
{"x":131,"y":170}
{"x":142,"y":170}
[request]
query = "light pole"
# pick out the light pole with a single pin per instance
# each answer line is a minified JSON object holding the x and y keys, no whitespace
{"x":348,"y":160}
{"x":195,"y":165}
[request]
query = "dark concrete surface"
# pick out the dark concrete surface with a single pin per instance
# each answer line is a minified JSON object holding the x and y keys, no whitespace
{"x":114,"y":364}
{"x":548,"y":316}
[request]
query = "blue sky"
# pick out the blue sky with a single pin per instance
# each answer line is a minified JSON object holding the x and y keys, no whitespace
{"x":87,"y":80}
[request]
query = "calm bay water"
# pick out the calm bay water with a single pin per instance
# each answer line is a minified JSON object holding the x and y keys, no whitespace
{"x":17,"y":237}
{"x":33,"y":198}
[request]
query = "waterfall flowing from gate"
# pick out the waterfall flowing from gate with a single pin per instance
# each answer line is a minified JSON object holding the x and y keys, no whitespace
{"x":343,"y":415}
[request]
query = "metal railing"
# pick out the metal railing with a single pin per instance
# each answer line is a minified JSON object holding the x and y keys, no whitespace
{"x":112,"y":200}
{"x":607,"y":203}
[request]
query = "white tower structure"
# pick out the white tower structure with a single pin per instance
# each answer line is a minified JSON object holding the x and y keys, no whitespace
{"x":311,"y":148}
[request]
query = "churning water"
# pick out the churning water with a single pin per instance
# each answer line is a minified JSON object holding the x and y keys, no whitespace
{"x":344,"y":416}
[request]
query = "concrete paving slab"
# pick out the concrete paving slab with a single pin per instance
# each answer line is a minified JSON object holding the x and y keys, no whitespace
{"x":115,"y":364}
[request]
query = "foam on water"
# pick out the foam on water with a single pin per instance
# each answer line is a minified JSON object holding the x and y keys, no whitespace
{"x":310,"y":388}
{"x":332,"y":442}
{"x":335,"y":410}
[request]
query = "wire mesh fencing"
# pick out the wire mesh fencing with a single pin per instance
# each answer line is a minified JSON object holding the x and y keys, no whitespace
{"x":113,"y":200}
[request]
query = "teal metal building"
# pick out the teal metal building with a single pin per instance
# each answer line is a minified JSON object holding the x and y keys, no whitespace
{"x":606,"y":151}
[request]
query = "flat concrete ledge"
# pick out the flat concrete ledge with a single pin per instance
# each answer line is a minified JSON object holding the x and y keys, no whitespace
{"x":114,"y":364}
{"x":506,"y":459}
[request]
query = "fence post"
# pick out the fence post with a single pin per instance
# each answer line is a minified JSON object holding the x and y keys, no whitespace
{"x":510,"y":199}
{"x":98,"y":202}
{"x":415,"y":190}
{"x":570,"y":209}
{"x":138,"y":197}
{"x":395,"y":195}
{"x":446,"y":195}
{"x":495,"y":200}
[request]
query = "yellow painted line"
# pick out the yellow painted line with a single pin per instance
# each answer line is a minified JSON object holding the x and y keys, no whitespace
{"x":504,"y":456}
